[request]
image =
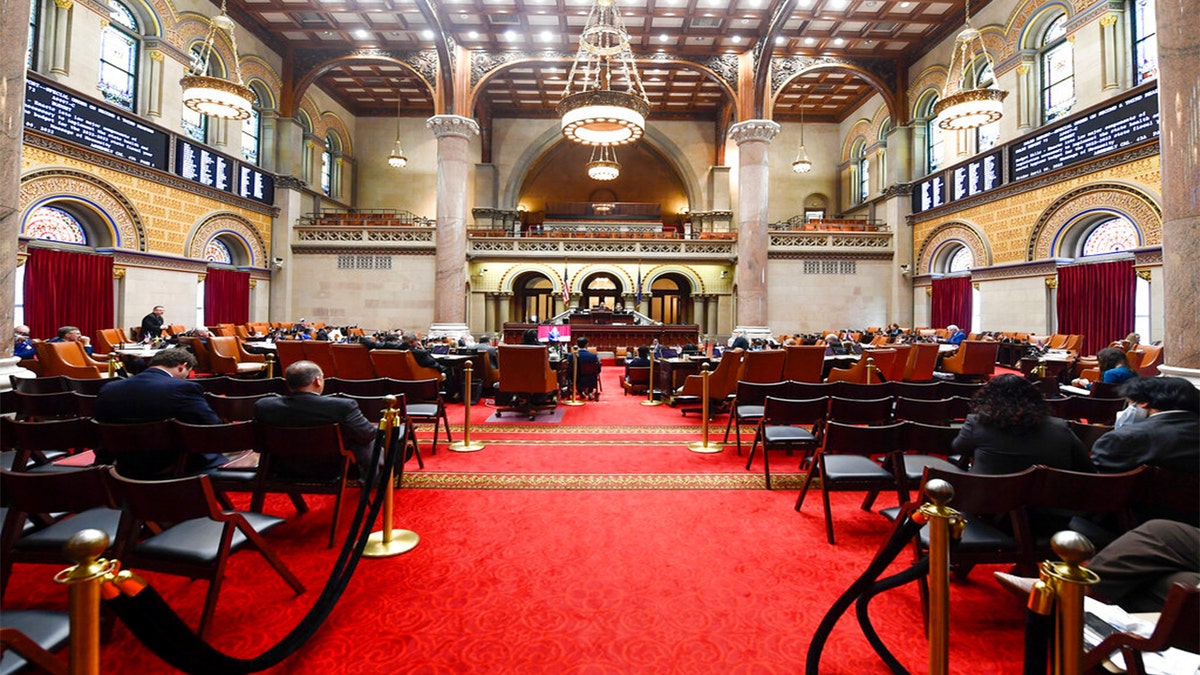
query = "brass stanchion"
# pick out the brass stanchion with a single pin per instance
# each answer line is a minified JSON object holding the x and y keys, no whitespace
{"x":703,"y":446}
{"x":388,"y":542}
{"x":574,"y":402}
{"x":1060,"y":589}
{"x":113,"y":364}
{"x":650,"y":400}
{"x":871,"y":370}
{"x":270,"y":366}
{"x":944,"y":523}
{"x":84,"y":580}
{"x":466,"y":444}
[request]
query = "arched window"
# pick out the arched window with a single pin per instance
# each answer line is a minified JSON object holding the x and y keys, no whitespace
{"x":881,"y":155}
{"x":862,"y":172}
{"x":933,"y":138}
{"x":960,"y":260}
{"x":217,"y":251}
{"x":1058,"y":70}
{"x":327,"y":167}
{"x":252,"y":129}
{"x":1109,"y":236}
{"x":35,"y":18}
{"x":982,"y":76}
{"x":55,"y":224}
{"x":534,"y":298}
{"x":601,"y":289}
{"x":119,"y":44}
{"x":195,"y":124}
{"x":1145,"y":42}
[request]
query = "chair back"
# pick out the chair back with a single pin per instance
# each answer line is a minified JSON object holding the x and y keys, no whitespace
{"x":30,"y":439}
{"x":923,"y":391}
{"x":352,"y":361}
{"x":1174,"y":495}
{"x":927,"y":439}
{"x":312,"y":453}
{"x":723,"y":381}
{"x":318,"y":351}
{"x":882,"y":359}
{"x":859,"y":390}
{"x":65,"y":358}
{"x":851,"y":439}
{"x":922,"y":360}
{"x":963,"y":389}
{"x":372,"y":407}
{"x":894,"y":369}
{"x":108,"y":340}
{"x":39,"y":385}
{"x":164,"y":501}
{"x":870,"y":411}
{"x":936,"y":412}
{"x":637,"y":379}
{"x":526,"y":369}
{"x":974,"y":357}
{"x":174,"y":329}
{"x":791,"y":411}
{"x":1151,"y":359}
{"x":211,"y":438}
{"x":288,"y":352}
{"x":1091,"y":493}
{"x":378,"y":386}
{"x":987,"y":494}
{"x":804,"y":363}
{"x":1088,"y":434}
{"x":233,"y":408}
{"x":1094,"y":410}
{"x":762,"y":366}
{"x":200,"y":350}
{"x":138,"y":449}
{"x":1106,"y":390}
{"x":56,"y":491}
{"x":811,"y":389}
{"x":223,"y":354}
{"x":45,"y":406}
{"x":416,"y":391}
{"x":88,"y":386}
{"x":756,"y":393}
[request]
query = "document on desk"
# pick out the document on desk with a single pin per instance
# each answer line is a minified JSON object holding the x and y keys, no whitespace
{"x":1170,"y":662}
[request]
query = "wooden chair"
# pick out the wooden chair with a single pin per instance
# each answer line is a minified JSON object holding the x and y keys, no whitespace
{"x":921,"y":446}
{"x":143,"y":450}
{"x":869,"y":411}
{"x":68,"y":358}
{"x":87,"y":385}
{"x":233,"y":386}
{"x":288,"y":352}
{"x":36,"y":444}
{"x":721,"y":383}
{"x":352,"y":361}
{"x":804,"y":363}
{"x":923,"y":391}
{"x":637,"y":380}
{"x":318,"y":351}
{"x":373,"y":407}
{"x":782,"y":424}
{"x":229,"y":357}
{"x":1178,"y":626}
{"x":400,"y":364}
{"x":201,"y":538}
{"x":974,"y":359}
{"x":762,"y":366}
{"x":883,"y":360}
{"x":233,"y":408}
{"x":39,"y":385}
{"x":29,"y":637}
{"x":748,"y":403}
{"x":378,"y":386}
{"x":239,"y":474}
{"x":1093,"y":410}
{"x":1151,"y":359}
{"x":54,"y":405}
{"x":200,"y":350}
{"x":936,"y":411}
{"x":526,"y":378}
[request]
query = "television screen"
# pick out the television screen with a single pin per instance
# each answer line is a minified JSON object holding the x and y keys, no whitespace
{"x":554,"y":333}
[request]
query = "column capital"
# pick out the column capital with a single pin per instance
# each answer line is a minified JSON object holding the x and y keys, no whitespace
{"x":754,"y":130}
{"x":452,"y":125}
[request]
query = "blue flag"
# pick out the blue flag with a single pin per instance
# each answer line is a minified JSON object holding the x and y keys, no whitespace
{"x":639,"y":286}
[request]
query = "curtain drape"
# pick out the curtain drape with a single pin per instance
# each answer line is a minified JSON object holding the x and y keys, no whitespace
{"x":952,"y":303}
{"x":1097,"y":302}
{"x":226,"y":296}
{"x":67,"y":288}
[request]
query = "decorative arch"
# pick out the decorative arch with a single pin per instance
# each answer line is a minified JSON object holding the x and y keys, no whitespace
{"x":949,"y":234}
{"x":540,"y":145}
{"x":225,"y":223}
{"x":255,"y":68}
{"x":859,"y":131}
{"x":685,"y":271}
{"x":314,"y":73}
{"x":825,"y":63}
{"x":152,"y":15}
{"x":1135,"y":204}
{"x":931,"y":81}
{"x":513,"y":273}
{"x":193,"y":28}
{"x":1026,"y":31}
{"x":330,"y":122}
{"x":597,"y":268}
{"x":47,"y":186}
{"x":878,"y":120}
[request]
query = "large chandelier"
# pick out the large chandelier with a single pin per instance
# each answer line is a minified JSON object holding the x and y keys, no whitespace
{"x":212,"y":95}
{"x":967,"y":108}
{"x":397,"y":159}
{"x":596,"y":113}
{"x":802,"y":163}
{"x":603,"y":165}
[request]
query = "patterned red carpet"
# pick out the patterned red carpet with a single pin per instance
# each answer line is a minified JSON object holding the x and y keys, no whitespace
{"x":597,"y":545}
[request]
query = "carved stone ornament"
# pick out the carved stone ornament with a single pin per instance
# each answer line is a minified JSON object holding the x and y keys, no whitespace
{"x":1051,"y":282}
{"x":1144,"y":275}
{"x":452,"y":125}
{"x":754,"y":130}
{"x":64,"y":4}
{"x":118,"y":272}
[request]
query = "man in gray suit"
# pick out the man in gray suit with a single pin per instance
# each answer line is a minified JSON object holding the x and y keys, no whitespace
{"x":1168,"y":436}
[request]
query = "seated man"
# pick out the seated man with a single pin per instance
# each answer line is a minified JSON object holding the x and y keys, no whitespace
{"x":162,"y":391}
{"x":306,"y":407}
{"x":22,"y":345}
{"x":640,"y":361}
{"x":956,"y":335}
{"x":587,"y":384}
{"x":1168,"y":435}
{"x":72,"y":334}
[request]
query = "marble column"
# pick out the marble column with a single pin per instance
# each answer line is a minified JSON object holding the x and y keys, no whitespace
{"x":453,"y":133}
{"x":14,"y":20}
{"x":58,"y":33}
{"x":753,"y":138}
{"x":1179,"y":98}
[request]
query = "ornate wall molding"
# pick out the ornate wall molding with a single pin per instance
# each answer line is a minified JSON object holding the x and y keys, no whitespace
{"x":222,"y":223}
{"x":754,"y":130}
{"x":158,"y":262}
{"x":1139,"y":207}
{"x":119,"y":214}
{"x":452,"y":125}
{"x":958,"y":232}
{"x":1040,"y":268}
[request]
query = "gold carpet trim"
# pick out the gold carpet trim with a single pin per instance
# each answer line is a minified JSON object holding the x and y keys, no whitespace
{"x":543,"y":428}
{"x":550,"y":481}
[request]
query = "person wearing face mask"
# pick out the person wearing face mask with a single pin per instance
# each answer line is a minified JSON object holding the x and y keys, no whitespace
{"x":22,"y":345}
{"x":1165,"y":433}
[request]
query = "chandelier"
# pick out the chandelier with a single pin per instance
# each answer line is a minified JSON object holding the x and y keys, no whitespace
{"x":596,"y":113}
{"x":397,"y":159}
{"x":208,"y":95}
{"x":802,"y":163}
{"x":968,"y":108}
{"x":603,"y":165}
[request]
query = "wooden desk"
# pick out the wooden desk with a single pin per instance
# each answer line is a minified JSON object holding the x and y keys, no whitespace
{"x":669,"y":374}
{"x":608,"y":337}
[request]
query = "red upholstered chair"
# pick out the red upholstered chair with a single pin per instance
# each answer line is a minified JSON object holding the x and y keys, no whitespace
{"x":722,"y":382}
{"x":883,"y":359}
{"x":318,"y":352}
{"x":68,"y":358}
{"x":228,"y":357}
{"x":804,"y":363}
{"x":974,"y":358}
{"x":352,"y":362}
{"x":527,"y":379}
{"x":762,"y":367}
{"x":288,"y":352}
{"x":401,"y":365}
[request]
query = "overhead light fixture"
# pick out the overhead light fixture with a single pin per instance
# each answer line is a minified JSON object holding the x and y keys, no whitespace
{"x":603,"y":165}
{"x":397,"y":159}
{"x":963,"y":105}
{"x":214,"y":96}
{"x":802,"y":164}
{"x":592,"y":112}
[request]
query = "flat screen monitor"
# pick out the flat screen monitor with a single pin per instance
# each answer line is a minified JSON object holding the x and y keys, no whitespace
{"x":554,"y":333}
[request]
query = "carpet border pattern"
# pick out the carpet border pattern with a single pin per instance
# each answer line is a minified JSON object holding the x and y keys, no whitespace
{"x":562,"y":481}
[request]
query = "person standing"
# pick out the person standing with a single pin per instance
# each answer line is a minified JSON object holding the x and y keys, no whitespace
{"x":152,"y":323}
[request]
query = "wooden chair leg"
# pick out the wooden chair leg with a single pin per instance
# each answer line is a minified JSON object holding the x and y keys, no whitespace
{"x":828,"y":515}
{"x":256,"y":540}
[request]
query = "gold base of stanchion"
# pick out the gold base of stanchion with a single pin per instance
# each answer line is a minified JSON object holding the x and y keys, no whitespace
{"x":461,"y":446}
{"x":572,"y":403}
{"x":705,"y":448}
{"x":651,"y":401}
{"x":402,"y":541}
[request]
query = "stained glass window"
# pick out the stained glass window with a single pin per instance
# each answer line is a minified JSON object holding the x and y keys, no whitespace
{"x":119,"y":57}
{"x":961,"y":261}
{"x":1145,"y":41}
{"x":1111,"y":236}
{"x":933,"y":140}
{"x":55,"y":224}
{"x":216,"y":251}
{"x":1058,"y":71}
{"x":251,"y":133}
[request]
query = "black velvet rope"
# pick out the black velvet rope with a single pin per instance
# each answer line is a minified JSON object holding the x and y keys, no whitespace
{"x":918,"y":570}
{"x":1037,"y":642}
{"x":905,"y":530}
{"x":158,"y":627}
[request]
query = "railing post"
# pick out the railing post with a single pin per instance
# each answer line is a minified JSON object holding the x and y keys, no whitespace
{"x":466,"y":444}
{"x":944,"y":524}
{"x":84,"y":580}
{"x":650,"y":385}
{"x":388,"y":542}
{"x":703,"y":446}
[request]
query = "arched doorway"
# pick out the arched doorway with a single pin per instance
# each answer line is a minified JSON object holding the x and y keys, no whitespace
{"x":671,"y":299}
{"x":534,"y":298}
{"x":602,"y":289}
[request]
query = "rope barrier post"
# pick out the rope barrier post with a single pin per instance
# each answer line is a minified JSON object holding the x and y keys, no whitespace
{"x":388,"y":542}
{"x":270,"y":366}
{"x":944,"y":523}
{"x":650,"y":400}
{"x":574,"y":402}
{"x":84,"y":580}
{"x":703,"y":445}
{"x":466,"y":444}
{"x":1069,"y":582}
{"x":112,"y":363}
{"x":871,"y":370}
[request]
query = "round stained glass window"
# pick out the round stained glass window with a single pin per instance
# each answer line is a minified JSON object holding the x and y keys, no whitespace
{"x":216,"y":251}
{"x":961,"y":261}
{"x":1111,"y":236}
{"x":55,"y":224}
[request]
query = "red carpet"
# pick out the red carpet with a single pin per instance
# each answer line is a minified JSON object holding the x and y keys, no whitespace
{"x":609,"y":551}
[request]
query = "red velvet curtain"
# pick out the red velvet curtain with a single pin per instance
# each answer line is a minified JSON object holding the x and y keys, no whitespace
{"x":952,"y":303}
{"x":1097,"y":302}
{"x":64,"y":288}
{"x":226,"y":296}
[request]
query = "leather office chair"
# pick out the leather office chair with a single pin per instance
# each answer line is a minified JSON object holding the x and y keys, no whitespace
{"x":108,"y":340}
{"x":637,"y":380}
{"x":895,"y":370}
{"x":351,"y":361}
{"x":722,"y":382}
{"x":318,"y":351}
{"x":527,"y":379}
{"x":1151,"y":359}
{"x":288,"y":352}
{"x":922,"y":360}
{"x":400,"y":364}
{"x":883,"y":359}
{"x":228,"y":357}
{"x":762,"y":366}
{"x":804,"y":363}
{"x":68,"y":358}
{"x":974,"y":359}
{"x":200,"y":350}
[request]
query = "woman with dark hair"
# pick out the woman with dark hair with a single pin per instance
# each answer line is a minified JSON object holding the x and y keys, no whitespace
{"x":529,"y":337}
{"x":1114,"y":368}
{"x":1010,"y":429}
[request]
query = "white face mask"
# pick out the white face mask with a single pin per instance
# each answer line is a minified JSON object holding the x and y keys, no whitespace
{"x":1131,"y":414}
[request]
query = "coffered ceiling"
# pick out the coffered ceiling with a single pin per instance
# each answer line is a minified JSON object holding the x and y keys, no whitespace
{"x":666,"y":35}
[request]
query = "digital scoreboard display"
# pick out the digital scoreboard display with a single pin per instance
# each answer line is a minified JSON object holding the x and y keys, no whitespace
{"x":51,"y":111}
{"x":929,"y":193}
{"x":976,"y":176}
{"x":1115,"y":126}
{"x":198,"y":163}
{"x":255,"y":184}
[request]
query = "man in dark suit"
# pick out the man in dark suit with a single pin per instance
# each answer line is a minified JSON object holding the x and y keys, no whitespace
{"x":1168,"y":436}
{"x":160,"y":392}
{"x":587,"y":383}
{"x":306,"y":407}
{"x":152,"y":323}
